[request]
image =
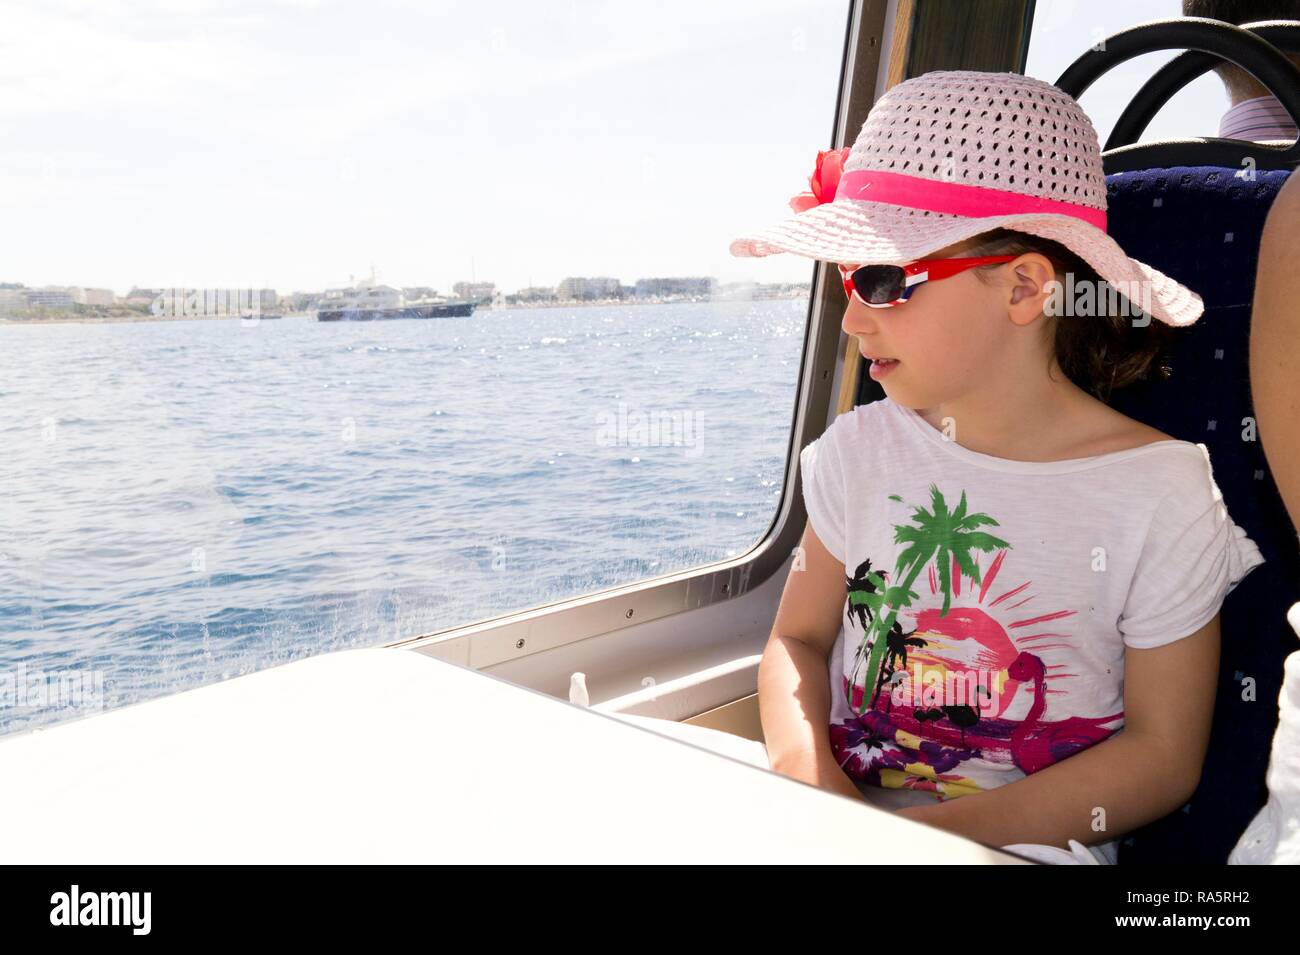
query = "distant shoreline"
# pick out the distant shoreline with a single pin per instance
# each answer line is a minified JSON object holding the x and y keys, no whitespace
{"x":135,"y":319}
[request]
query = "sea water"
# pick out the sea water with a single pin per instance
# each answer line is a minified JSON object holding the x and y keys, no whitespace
{"x":182,"y":502}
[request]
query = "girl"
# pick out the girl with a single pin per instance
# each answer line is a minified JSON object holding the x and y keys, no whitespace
{"x":1006,"y":619}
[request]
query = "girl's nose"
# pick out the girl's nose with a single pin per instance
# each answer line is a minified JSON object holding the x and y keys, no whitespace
{"x":860,"y":320}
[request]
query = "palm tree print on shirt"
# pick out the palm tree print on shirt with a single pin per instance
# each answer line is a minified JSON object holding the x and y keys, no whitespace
{"x":938,"y":534}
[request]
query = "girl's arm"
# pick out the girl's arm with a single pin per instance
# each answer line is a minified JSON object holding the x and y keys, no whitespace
{"x":1145,"y":771}
{"x":793,"y":676}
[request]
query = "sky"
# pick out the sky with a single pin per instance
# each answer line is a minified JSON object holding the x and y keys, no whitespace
{"x":295,"y":144}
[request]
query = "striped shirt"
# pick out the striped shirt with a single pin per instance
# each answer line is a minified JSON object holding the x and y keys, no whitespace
{"x":1259,"y":119}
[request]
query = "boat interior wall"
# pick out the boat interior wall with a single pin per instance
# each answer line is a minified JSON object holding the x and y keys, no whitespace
{"x":980,"y":35}
{"x":675,"y":668}
{"x":739,"y":717}
{"x":693,"y":692}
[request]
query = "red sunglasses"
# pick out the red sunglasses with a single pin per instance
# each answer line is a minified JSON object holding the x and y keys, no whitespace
{"x":884,"y":286}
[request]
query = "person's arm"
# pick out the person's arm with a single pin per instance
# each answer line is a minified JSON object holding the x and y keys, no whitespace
{"x":1143,"y":772}
{"x":794,"y":677}
{"x":1275,"y":344}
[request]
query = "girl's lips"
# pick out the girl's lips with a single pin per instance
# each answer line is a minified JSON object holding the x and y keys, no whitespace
{"x":882,"y":366}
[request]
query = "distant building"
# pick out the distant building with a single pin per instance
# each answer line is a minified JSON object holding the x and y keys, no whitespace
{"x":299,"y":301}
{"x":92,"y":296}
{"x":475,"y":291}
{"x":533,"y":295}
{"x":13,"y":298}
{"x":664,"y":288}
{"x":49,"y":298}
{"x":142,"y":297}
{"x":584,"y":289}
{"x":752,"y":291}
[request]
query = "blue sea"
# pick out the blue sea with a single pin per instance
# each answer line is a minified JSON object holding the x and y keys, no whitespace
{"x":188,"y":501}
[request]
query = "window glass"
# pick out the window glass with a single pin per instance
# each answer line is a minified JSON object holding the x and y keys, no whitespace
{"x":202,"y":478}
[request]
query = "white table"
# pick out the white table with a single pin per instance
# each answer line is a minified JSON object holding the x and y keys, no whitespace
{"x":388,"y":755}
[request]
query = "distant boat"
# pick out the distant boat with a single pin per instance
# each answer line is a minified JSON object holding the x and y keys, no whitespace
{"x":385,"y":302}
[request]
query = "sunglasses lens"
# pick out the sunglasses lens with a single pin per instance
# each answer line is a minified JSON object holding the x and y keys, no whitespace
{"x":879,"y":284}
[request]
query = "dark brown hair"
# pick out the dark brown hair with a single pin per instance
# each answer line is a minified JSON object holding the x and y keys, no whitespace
{"x":1100,"y":353}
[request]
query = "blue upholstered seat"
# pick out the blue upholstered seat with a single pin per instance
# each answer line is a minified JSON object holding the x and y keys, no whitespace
{"x":1202,"y":225}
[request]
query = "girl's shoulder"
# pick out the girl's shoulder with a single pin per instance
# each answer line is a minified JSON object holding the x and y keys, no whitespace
{"x":862,"y":425}
{"x":1173,"y":463}
{"x":862,"y":415}
{"x":1113,"y":431}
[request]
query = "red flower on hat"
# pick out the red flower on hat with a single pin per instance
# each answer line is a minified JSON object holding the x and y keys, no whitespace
{"x":824,"y":180}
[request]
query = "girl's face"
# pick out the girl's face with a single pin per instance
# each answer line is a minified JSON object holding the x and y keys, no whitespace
{"x":951,"y":338}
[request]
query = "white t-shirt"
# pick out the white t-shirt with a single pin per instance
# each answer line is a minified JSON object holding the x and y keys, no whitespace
{"x":1008,"y":591}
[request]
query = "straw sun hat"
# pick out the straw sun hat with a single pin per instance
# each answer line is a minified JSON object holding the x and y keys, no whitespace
{"x":948,"y":155}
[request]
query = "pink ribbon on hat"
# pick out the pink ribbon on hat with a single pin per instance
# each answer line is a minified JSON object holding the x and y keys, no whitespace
{"x":956,"y":198}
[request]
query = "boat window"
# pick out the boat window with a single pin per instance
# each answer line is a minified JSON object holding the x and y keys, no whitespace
{"x":1063,"y":30}
{"x":205,"y":474}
